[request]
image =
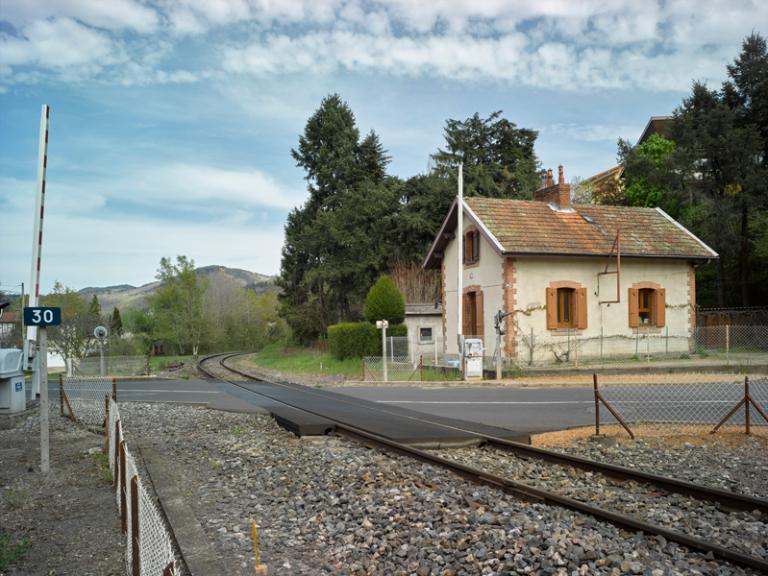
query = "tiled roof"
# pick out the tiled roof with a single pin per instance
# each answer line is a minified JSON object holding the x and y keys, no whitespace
{"x":530,"y":227}
{"x":605,"y":175}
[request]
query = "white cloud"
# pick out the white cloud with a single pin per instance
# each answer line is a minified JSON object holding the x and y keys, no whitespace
{"x":113,"y":15}
{"x":63,"y":45}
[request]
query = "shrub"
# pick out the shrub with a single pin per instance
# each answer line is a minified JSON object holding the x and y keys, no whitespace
{"x":356,"y":339}
{"x":384,"y":302}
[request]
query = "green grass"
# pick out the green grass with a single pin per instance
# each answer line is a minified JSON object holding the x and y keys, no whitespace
{"x":306,"y":361}
{"x":159,"y":363}
{"x":102,"y":464}
{"x":11,"y":551}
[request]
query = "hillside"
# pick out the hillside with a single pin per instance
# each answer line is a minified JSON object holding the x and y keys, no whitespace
{"x":125,"y":296}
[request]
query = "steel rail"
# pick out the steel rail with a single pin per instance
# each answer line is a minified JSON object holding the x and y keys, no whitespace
{"x":519,"y":489}
{"x":728,"y":500}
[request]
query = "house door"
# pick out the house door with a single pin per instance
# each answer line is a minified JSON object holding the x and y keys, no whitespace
{"x":473,"y":314}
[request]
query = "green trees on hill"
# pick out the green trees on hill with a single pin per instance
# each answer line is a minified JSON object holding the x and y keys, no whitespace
{"x":358,"y":221}
{"x":712,"y":175}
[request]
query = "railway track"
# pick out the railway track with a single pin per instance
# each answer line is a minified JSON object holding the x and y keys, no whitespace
{"x":724,"y":500}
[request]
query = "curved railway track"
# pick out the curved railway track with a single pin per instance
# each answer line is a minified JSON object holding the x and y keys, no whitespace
{"x":728,"y":501}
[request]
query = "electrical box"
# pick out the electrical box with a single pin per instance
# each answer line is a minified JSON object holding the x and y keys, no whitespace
{"x":13,"y":394}
{"x":473,"y":358}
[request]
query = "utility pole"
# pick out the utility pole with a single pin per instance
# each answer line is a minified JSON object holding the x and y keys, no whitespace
{"x":460,"y":268}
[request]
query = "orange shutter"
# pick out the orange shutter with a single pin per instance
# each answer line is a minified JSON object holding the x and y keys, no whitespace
{"x":479,"y":312}
{"x":551,"y":308}
{"x":581,"y":308}
{"x":476,"y":247}
{"x":465,"y":319}
{"x":660,"y":310}
{"x":634,"y":313}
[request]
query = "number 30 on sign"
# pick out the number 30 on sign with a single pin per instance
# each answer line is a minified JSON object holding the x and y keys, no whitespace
{"x":42,"y":316}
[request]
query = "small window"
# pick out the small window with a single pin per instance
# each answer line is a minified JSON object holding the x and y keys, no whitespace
{"x":425,"y":335}
{"x":471,"y":247}
{"x":645,"y":305}
{"x":565,"y":318}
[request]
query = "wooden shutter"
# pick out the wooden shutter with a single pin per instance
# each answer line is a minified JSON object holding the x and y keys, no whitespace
{"x":466,"y":320}
{"x":479,"y":312}
{"x":476,"y":246}
{"x":581,"y":308}
{"x":551,"y":308}
{"x":634,"y":313}
{"x":659,"y":308}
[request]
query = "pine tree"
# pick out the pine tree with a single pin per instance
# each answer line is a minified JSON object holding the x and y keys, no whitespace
{"x":116,"y":324}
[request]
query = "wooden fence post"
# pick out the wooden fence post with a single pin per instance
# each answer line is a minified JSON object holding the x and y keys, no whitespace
{"x":61,"y":394}
{"x":135,"y":555}
{"x":114,"y":389}
{"x":106,"y":424}
{"x":123,"y":489}
{"x":117,"y":455}
{"x":747,"y":405}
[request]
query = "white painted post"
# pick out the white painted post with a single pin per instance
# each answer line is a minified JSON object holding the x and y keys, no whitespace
{"x":460,"y":271}
{"x":37,"y":241}
{"x":384,"y":347}
{"x":727,"y":343}
{"x":42,"y":367}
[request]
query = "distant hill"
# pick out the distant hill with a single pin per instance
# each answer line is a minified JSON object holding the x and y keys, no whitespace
{"x":125,"y":296}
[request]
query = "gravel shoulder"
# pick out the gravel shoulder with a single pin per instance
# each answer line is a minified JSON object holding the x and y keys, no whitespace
{"x":66,"y":522}
{"x":328,"y":506}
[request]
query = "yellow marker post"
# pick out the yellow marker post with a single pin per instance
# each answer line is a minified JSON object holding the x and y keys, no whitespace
{"x":261,"y":569}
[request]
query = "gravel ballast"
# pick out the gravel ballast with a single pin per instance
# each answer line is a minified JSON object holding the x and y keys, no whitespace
{"x":329,"y":506}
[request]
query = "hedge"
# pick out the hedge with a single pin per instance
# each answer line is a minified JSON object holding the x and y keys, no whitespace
{"x":356,"y":339}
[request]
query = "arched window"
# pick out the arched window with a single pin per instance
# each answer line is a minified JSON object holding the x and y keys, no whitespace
{"x":565,"y":299}
{"x":647,"y":305}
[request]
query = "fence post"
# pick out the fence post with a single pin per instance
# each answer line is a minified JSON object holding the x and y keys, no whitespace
{"x":106,"y":424}
{"x":531,"y":348}
{"x":421,"y":367}
{"x":728,"y":345}
{"x":597,"y":404}
{"x":747,"y":405}
{"x":169,"y":570}
{"x":666,"y":341}
{"x":362,"y":367}
{"x":601,"y":345}
{"x":122,"y":487}
{"x":135,"y":556}
{"x":61,"y":394}
{"x":637,"y":343}
{"x":114,"y":389}
{"x":117,"y":455}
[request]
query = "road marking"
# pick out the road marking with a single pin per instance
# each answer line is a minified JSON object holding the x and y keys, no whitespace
{"x":163,"y":391}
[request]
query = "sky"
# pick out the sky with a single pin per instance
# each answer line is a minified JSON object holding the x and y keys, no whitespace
{"x":172,"y":121}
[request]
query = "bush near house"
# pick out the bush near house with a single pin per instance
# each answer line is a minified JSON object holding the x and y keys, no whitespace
{"x":384,"y":302}
{"x":356,"y":339}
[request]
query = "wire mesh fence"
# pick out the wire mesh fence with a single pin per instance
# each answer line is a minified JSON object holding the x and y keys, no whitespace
{"x":84,"y":399}
{"x":149,"y":543}
{"x":730,"y":345}
{"x":687,"y":404}
{"x":113,"y":366}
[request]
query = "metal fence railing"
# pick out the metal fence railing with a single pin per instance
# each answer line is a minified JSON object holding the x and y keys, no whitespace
{"x":149,"y":544}
{"x":694,"y":404}
{"x":84,"y":400}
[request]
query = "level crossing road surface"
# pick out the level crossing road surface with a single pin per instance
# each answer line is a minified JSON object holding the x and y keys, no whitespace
{"x":523,"y":410}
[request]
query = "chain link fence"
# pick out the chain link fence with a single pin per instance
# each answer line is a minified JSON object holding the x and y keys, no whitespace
{"x":113,"y":365}
{"x":683,"y":403}
{"x":84,"y":399}
{"x":566,"y":349}
{"x":149,"y":543}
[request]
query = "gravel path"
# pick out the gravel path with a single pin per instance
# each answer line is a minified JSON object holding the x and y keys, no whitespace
{"x":328,"y":506}
{"x":65,"y":521}
{"x":743,"y":531}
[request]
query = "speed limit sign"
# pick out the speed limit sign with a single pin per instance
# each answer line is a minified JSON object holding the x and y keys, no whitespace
{"x":42,"y":316}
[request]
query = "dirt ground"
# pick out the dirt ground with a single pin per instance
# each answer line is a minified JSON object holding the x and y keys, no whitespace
{"x":655,"y":435}
{"x":63,"y":523}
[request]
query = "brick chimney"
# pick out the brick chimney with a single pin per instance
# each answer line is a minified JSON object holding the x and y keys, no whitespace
{"x":559,"y":195}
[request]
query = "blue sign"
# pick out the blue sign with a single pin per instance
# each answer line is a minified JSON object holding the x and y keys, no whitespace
{"x":18,"y":386}
{"x":42,"y":316}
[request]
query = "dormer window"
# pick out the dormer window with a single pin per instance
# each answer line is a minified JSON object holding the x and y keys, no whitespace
{"x":472,"y":247}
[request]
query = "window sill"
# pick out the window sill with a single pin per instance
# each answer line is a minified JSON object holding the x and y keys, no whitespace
{"x":473,"y":264}
{"x":648,"y":329}
{"x":566,"y":332}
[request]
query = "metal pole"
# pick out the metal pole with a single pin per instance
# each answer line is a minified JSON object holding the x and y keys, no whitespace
{"x":597,"y":405}
{"x":384,"y":349}
{"x":460,"y":270}
{"x":102,"y":367}
{"x":42,"y":366}
{"x":747,"y":405}
{"x":498,"y":355}
{"x":728,"y":345}
{"x":37,"y":237}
